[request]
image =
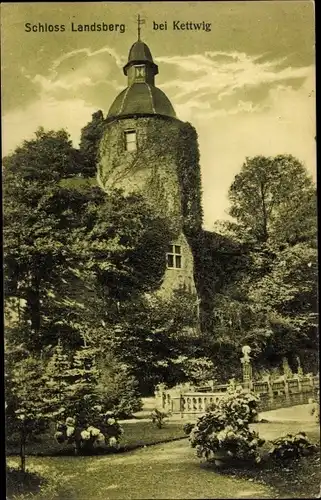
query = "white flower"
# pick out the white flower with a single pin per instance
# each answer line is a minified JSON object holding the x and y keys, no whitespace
{"x":221,"y":436}
{"x":70,"y":431}
{"x":85,"y":435}
{"x":93,"y":431}
{"x":246,"y":408}
{"x":240,"y":421}
{"x":112,"y":441}
{"x":111,"y":421}
{"x":100,"y":438}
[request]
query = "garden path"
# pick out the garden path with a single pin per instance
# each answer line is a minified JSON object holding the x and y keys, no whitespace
{"x":162,"y":471}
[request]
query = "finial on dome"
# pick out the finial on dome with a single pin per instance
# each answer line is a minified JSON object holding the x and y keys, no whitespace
{"x":140,"y":21}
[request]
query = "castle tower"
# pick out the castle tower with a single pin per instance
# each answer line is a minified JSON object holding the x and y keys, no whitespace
{"x":140,"y":151}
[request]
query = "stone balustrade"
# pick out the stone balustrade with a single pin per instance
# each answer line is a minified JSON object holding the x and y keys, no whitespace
{"x":188,"y":401}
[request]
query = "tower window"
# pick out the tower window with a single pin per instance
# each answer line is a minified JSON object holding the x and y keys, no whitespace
{"x":130,"y":140}
{"x":174,"y":257}
{"x":140,"y":73}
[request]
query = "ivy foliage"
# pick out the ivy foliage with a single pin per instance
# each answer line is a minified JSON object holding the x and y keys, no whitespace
{"x":189,"y":175}
{"x":90,"y":138}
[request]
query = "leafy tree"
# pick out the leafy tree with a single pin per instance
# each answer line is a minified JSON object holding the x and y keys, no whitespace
{"x":65,"y":240}
{"x":272,"y":303}
{"x":26,"y":413}
{"x":151,"y":335}
{"x":89,"y":143}
{"x":38,"y":217}
{"x":123,"y":244}
{"x":288,"y":297}
{"x":273,"y":199}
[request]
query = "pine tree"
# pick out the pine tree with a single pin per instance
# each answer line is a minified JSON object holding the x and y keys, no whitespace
{"x":29,"y":416}
{"x":82,"y":392}
{"x":57,"y":381}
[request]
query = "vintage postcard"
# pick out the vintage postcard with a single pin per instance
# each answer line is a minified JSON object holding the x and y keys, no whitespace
{"x":160,"y":250}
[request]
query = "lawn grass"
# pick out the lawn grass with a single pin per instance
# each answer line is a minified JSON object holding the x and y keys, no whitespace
{"x":169,"y":470}
{"x":172,"y":470}
{"x":137,"y":433}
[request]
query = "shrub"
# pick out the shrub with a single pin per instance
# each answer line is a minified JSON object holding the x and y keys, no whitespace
{"x":85,"y":434}
{"x":26,"y":412}
{"x":225,"y":428}
{"x":291,"y":447}
{"x":76,"y":403}
{"x":188,"y":427}
{"x":119,"y":389}
{"x":158,"y":418}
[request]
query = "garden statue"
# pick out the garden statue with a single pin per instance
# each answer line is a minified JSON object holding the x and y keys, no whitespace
{"x":247,"y":368}
{"x":300,"y":369}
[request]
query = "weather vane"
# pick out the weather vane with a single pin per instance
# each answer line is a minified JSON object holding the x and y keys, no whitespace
{"x":140,"y":21}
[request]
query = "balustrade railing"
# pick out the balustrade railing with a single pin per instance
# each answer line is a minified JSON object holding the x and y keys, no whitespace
{"x":284,"y":391}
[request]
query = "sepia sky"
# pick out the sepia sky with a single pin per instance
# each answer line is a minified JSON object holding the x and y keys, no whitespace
{"x":248,"y":85}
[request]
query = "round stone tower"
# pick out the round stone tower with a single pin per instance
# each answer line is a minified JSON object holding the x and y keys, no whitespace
{"x":139,"y":152}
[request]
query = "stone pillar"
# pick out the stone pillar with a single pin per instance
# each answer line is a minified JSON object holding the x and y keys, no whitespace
{"x":247,"y":368}
{"x":270,"y":387}
{"x":286,"y":390}
{"x":300,"y":376}
{"x":300,"y":369}
{"x":159,"y":391}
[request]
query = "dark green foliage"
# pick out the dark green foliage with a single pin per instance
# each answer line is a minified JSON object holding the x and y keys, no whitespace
{"x":39,"y":218}
{"x":75,"y":402}
{"x":69,"y":245}
{"x":273,"y":199}
{"x":158,"y":418}
{"x":152,"y":334}
{"x":26,"y":412}
{"x":20,"y":482}
{"x":121,"y":235}
{"x":189,"y":175}
{"x":269,"y":299}
{"x":289,"y":447}
{"x":90,"y":138}
{"x":219,"y":263}
{"x":118,"y":387}
{"x":187,"y":428}
{"x":224,"y":429}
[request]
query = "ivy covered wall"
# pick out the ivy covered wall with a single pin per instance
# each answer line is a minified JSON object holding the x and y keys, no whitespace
{"x":165,"y":169}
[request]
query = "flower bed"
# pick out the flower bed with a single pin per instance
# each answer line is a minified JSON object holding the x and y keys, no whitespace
{"x":136,"y":433}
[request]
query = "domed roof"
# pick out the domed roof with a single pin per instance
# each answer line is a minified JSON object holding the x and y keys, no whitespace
{"x":139,"y":51}
{"x":141,"y":99}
